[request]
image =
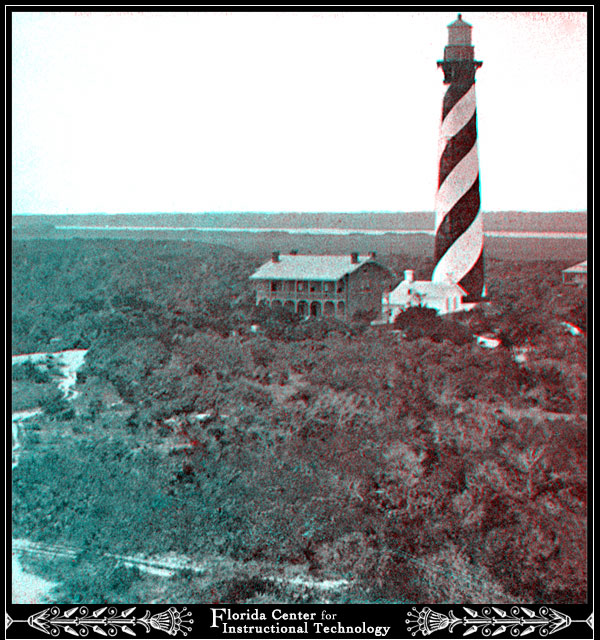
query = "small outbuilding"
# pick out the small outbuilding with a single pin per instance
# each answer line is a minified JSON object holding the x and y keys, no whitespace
{"x":444,"y":297}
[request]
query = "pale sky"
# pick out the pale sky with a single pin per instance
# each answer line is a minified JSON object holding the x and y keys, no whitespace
{"x":189,"y":112}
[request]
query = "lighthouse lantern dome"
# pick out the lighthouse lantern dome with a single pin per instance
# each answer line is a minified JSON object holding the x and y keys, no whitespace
{"x":459,"y":32}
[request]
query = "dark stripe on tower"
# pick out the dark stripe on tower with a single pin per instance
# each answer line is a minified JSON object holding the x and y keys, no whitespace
{"x":457,"y":148}
{"x":472,"y":283}
{"x":457,"y":220}
{"x":455,"y":92}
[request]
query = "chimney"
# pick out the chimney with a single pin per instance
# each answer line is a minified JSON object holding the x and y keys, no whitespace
{"x":275,"y":256}
{"x":293,"y":252}
{"x":409,"y":275}
{"x":354,"y":257}
{"x":372,"y":254}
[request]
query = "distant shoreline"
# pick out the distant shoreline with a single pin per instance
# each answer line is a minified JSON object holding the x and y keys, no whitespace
{"x":576,"y":235}
{"x":285,"y":213}
{"x":325,"y":224}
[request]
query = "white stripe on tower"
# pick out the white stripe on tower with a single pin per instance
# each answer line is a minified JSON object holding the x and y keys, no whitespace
{"x":458,"y":182}
{"x":458,"y":223}
{"x":464,"y":253}
{"x":460,"y":115}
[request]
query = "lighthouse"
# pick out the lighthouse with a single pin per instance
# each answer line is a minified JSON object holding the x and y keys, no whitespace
{"x":457,"y":282}
{"x":458,"y":252}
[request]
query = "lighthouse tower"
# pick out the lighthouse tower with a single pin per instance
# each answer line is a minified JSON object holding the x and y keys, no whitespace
{"x":458,"y":220}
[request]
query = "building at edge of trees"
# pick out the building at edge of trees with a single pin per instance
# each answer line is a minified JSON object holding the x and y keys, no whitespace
{"x":336,"y":286}
{"x":575,"y":275}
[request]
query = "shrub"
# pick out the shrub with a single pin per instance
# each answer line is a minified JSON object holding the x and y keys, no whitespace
{"x":29,"y":371}
{"x":423,"y":322}
{"x":55,"y":405}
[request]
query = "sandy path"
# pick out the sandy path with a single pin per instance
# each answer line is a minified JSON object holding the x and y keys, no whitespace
{"x":28,"y":588}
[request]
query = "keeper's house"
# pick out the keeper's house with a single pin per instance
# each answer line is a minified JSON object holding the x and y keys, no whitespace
{"x":575,"y":275}
{"x":317,"y":285}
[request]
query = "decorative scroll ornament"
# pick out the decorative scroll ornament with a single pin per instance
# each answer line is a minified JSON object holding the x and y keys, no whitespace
{"x":492,"y":621}
{"x":107,"y":621}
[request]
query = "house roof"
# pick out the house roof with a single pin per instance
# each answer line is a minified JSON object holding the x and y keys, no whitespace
{"x":426,"y":289}
{"x":310,"y":267}
{"x":581,"y":267}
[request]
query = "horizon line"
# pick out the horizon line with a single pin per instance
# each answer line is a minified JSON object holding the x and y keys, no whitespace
{"x":313,"y":212}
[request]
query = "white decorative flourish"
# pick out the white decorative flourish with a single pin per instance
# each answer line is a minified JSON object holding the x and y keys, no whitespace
{"x":491,"y":621}
{"x":107,"y":621}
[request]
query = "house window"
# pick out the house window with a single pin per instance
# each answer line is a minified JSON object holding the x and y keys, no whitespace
{"x":315,"y":287}
{"x":302,"y":285}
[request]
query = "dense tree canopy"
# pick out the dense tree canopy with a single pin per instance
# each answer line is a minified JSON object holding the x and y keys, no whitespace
{"x":414,"y":463}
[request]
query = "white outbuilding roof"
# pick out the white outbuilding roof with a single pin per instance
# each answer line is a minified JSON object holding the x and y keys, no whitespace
{"x":426,"y":289}
{"x":581,"y":267}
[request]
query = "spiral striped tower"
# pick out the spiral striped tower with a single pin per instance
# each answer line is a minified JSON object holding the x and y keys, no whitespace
{"x":458,"y":219}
